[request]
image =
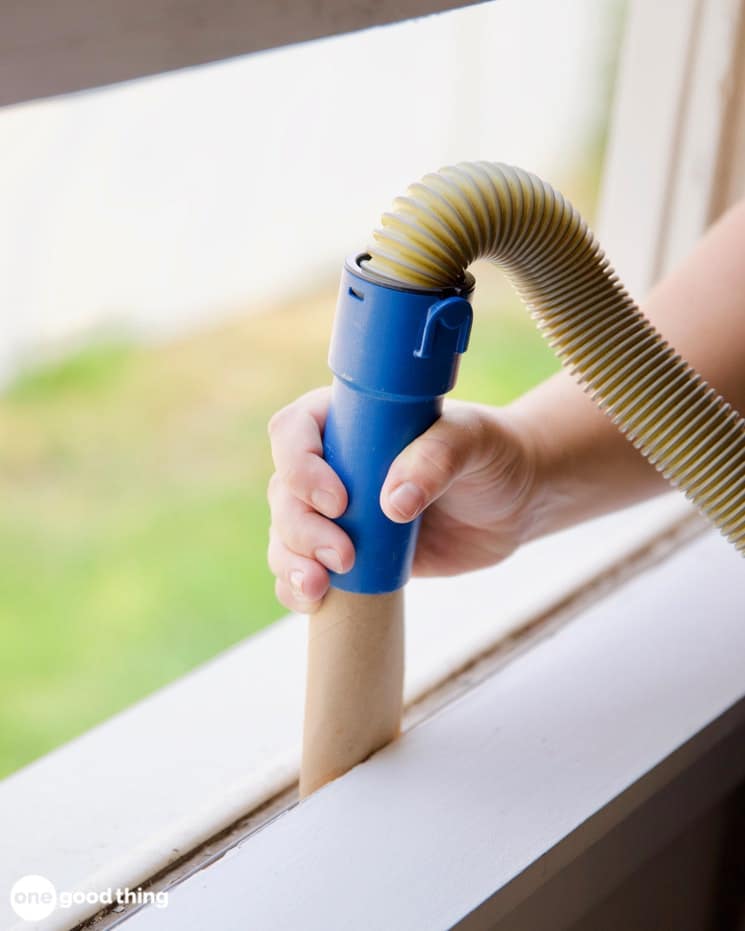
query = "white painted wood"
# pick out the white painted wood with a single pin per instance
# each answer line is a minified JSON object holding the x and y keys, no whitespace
{"x":730,"y":181}
{"x":670,"y":151}
{"x":642,"y":145}
{"x":711,"y":87}
{"x":49,"y":48}
{"x":121,"y":802}
{"x":462,"y":805}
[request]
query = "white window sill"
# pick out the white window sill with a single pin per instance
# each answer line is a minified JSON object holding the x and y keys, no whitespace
{"x":120,"y":803}
{"x":573,"y":764}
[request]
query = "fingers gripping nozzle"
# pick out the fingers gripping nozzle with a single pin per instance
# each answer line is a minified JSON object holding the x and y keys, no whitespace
{"x":395,"y":351}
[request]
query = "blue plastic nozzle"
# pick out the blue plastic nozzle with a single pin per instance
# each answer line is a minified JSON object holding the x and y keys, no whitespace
{"x":394,"y":353}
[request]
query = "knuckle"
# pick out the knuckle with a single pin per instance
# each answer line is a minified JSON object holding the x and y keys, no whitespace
{"x":280,"y":418}
{"x":294,"y":477}
{"x":439,"y":456}
{"x":474,"y":425}
{"x":271,"y":488}
{"x":282,"y":595}
{"x":272,"y":555}
{"x":305,"y":535}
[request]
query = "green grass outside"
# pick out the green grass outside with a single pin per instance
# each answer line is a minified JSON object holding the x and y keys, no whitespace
{"x":133,"y":521}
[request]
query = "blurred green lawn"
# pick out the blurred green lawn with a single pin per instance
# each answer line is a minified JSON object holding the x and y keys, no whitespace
{"x":133,"y":521}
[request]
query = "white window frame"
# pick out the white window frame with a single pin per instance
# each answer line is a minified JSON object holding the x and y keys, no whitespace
{"x":127,"y":800}
{"x":529,"y":800}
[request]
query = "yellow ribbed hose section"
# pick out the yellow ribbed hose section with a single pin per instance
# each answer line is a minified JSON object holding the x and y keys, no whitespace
{"x":488,"y":210}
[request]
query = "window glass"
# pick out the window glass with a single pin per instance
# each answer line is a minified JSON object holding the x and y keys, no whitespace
{"x":169,"y":252}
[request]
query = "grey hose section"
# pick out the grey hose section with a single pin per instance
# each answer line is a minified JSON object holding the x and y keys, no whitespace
{"x":488,"y":210}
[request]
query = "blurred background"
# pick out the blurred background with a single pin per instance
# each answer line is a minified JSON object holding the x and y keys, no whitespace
{"x":169,"y":253}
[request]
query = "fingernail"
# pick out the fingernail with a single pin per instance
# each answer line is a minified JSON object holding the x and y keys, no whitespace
{"x":330,"y":558}
{"x":296,"y":582}
{"x":324,"y":502}
{"x":408,"y":499}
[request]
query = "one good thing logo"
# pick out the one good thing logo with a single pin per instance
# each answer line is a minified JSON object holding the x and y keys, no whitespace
{"x":34,"y":898}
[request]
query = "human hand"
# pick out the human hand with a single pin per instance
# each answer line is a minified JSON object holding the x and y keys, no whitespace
{"x":473,"y":474}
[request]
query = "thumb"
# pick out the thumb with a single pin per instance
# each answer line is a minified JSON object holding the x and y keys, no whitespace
{"x":430,"y":464}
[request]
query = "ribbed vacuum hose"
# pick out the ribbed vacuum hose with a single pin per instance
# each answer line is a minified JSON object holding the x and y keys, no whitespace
{"x":494,"y":211}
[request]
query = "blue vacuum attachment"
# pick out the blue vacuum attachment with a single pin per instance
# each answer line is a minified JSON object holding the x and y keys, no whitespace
{"x":395,"y":352}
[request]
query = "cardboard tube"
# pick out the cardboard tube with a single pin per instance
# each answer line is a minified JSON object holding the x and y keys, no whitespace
{"x":354,"y":691}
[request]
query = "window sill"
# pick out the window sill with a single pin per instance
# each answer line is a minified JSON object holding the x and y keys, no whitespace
{"x":532,"y":797}
{"x":122,"y":802}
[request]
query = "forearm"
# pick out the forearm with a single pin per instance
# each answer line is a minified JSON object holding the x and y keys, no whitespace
{"x":585,"y":466}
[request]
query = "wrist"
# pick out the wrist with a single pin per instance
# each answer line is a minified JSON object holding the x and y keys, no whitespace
{"x":583,"y":465}
{"x":542,"y":499}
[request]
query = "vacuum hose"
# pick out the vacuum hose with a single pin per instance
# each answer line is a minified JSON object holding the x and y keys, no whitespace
{"x":489,"y":210}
